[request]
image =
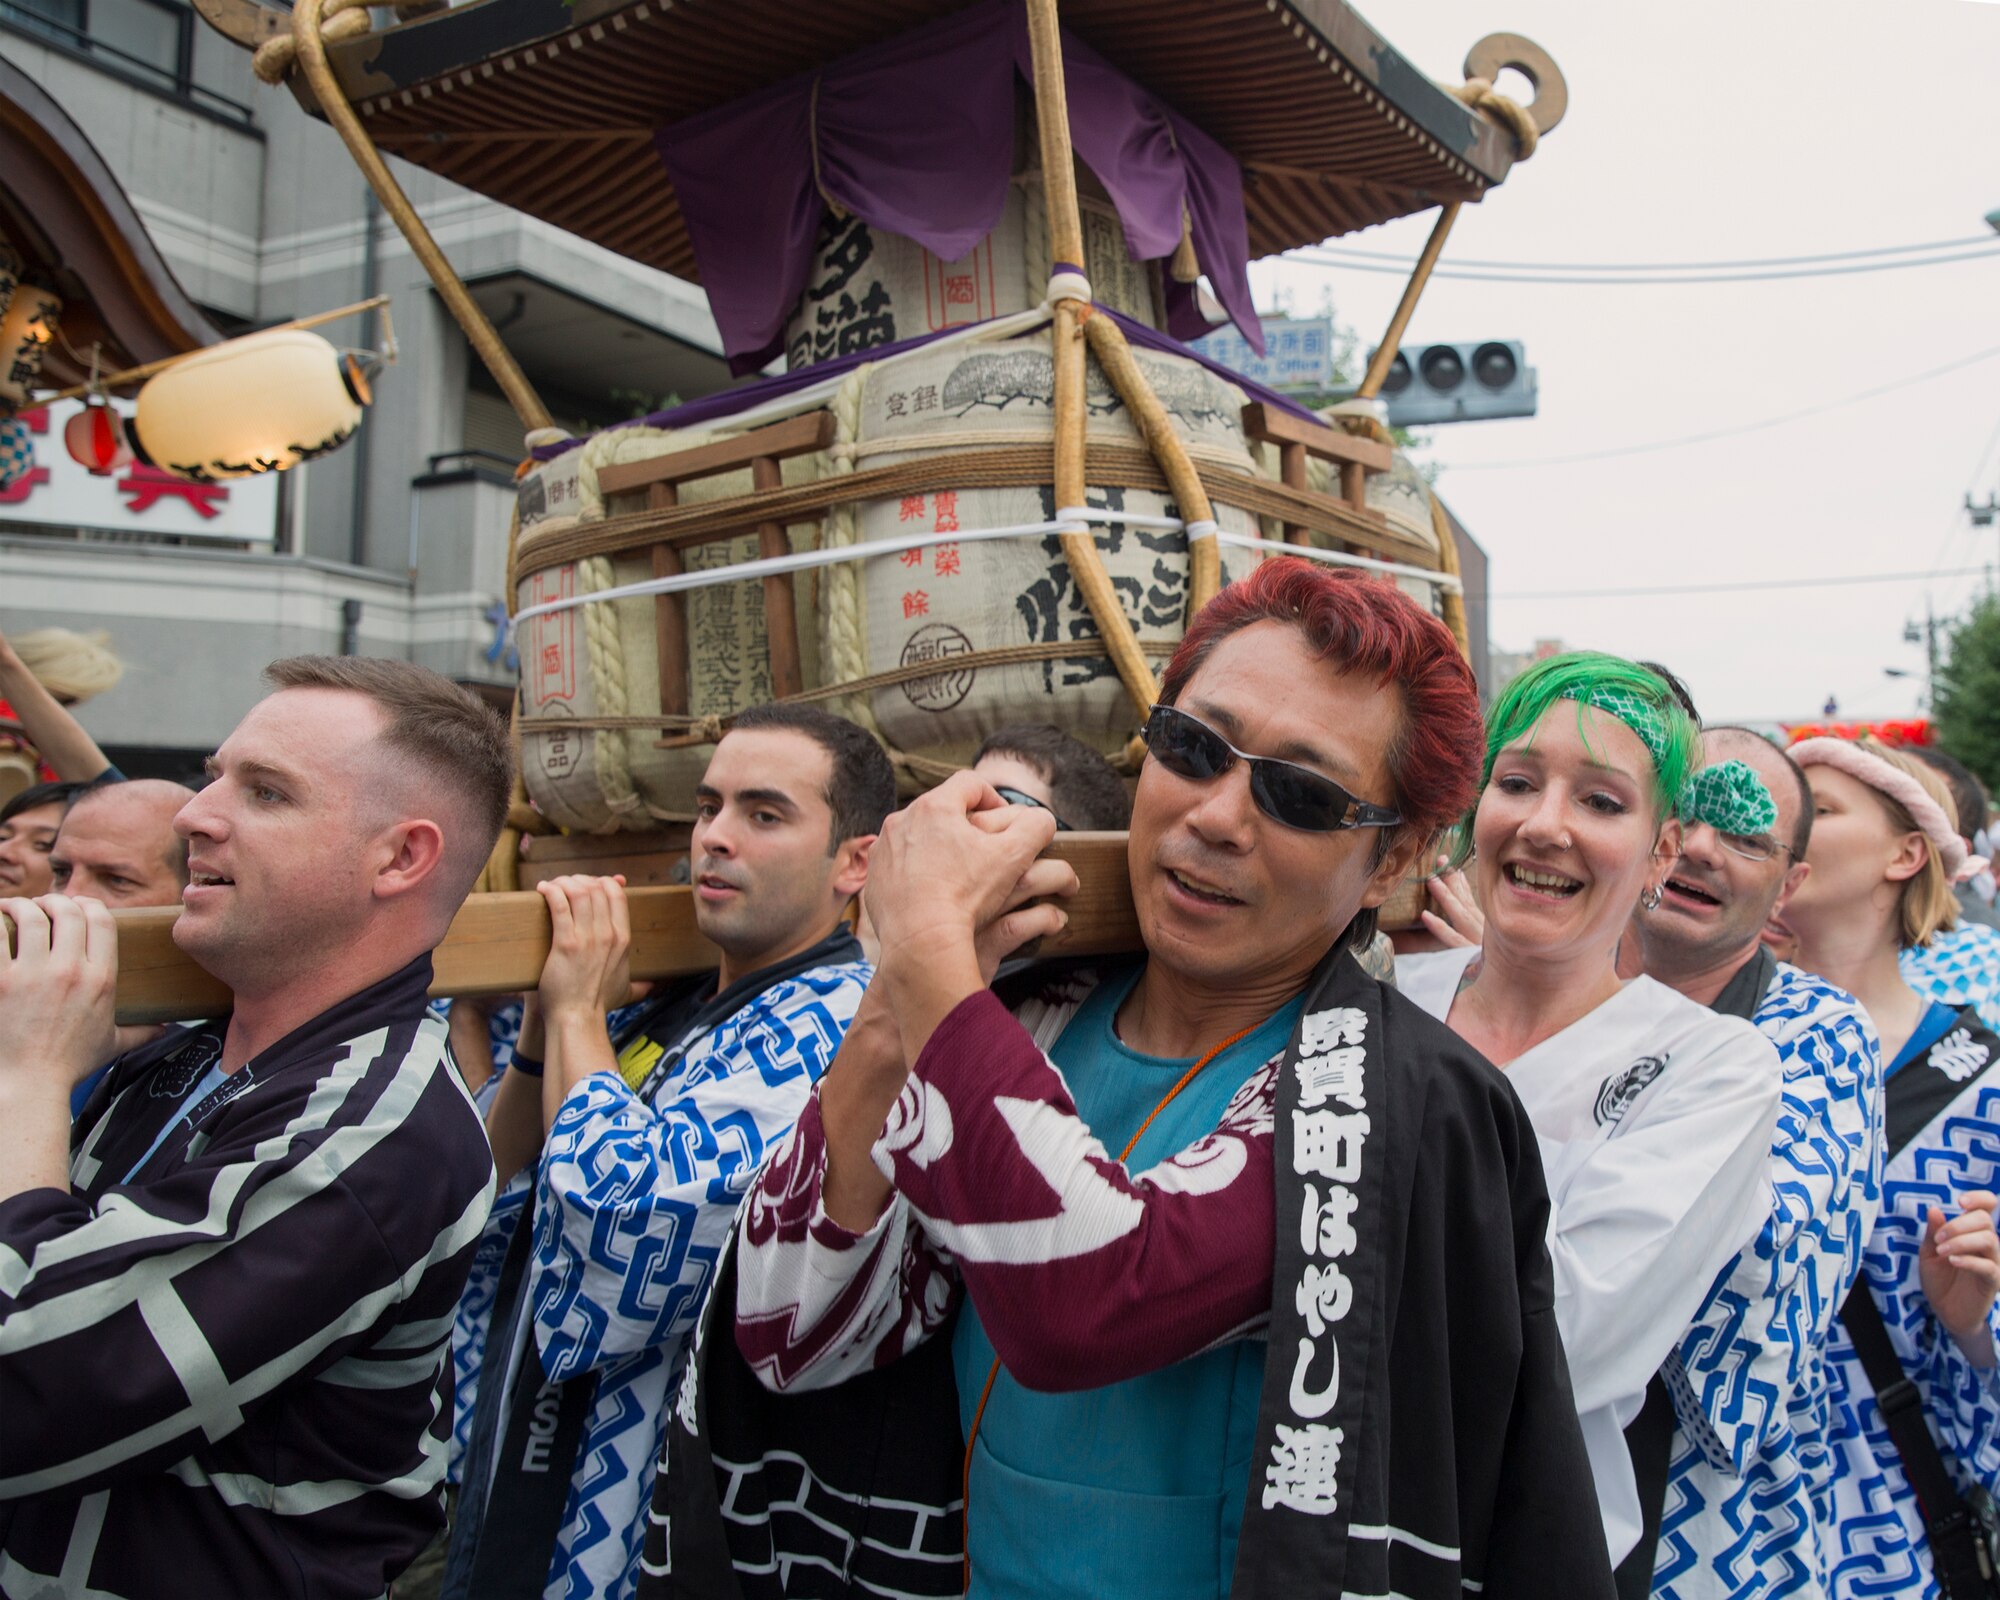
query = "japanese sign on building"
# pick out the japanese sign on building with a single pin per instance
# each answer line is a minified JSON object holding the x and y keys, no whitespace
{"x":1298,"y":352}
{"x":58,"y":492}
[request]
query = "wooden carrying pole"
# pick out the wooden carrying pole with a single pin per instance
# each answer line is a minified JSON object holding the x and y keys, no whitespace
{"x":498,"y":942}
{"x":485,"y":340}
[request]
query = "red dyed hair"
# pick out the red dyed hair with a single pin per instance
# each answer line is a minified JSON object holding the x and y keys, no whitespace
{"x":1364,"y":624}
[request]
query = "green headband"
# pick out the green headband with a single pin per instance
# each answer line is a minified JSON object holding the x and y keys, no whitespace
{"x":1640,"y":715}
{"x":1730,"y":798}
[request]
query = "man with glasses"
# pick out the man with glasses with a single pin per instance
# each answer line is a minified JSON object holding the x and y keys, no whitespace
{"x":1746,"y":1474}
{"x":1219,"y":1269}
{"x":1034,"y":764}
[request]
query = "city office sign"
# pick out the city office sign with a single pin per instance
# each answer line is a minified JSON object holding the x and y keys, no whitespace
{"x":58,"y":492}
{"x":1298,"y":353}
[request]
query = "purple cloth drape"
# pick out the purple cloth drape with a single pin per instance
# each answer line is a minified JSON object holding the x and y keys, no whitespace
{"x":916,"y":136}
{"x":728,"y":402}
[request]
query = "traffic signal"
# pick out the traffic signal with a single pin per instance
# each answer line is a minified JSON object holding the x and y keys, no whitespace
{"x":1433,"y":383}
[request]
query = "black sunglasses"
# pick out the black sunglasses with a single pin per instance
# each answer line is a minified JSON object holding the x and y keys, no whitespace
{"x":1021,"y":797}
{"x":1285,"y":792}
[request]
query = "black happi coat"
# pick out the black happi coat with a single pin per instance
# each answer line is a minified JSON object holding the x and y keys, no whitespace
{"x":1461,"y":1465}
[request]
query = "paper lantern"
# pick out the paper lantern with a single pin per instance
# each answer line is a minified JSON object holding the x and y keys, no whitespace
{"x":17,"y":451}
{"x":95,"y":438}
{"x":260,"y":403}
{"x":11,"y":268}
{"x":26,"y":329}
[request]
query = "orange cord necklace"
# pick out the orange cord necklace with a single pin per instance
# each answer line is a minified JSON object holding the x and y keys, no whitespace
{"x":992,"y":1372}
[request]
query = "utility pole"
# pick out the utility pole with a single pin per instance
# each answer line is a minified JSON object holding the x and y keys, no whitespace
{"x":1930,"y":651}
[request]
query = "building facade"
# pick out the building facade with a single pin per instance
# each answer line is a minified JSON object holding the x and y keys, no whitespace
{"x":394,"y":545}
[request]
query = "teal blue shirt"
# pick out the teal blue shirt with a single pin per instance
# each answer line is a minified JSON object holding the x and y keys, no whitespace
{"x":1136,"y":1488}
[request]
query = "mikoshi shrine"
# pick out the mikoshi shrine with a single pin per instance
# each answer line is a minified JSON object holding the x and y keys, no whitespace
{"x":974,"y":474}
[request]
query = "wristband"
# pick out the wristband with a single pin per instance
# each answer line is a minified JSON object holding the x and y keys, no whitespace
{"x":527,"y":1066}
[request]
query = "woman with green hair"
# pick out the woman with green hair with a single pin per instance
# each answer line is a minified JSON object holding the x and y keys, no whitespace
{"x":1654,"y":1114}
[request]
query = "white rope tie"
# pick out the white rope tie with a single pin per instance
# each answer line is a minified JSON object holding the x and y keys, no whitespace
{"x":1068,"y":286}
{"x":1130,"y":518}
{"x":1071,"y":519}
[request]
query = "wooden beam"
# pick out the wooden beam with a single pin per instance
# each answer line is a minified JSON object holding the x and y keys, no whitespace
{"x":796,"y":436}
{"x":1329,"y":444}
{"x":498,"y":942}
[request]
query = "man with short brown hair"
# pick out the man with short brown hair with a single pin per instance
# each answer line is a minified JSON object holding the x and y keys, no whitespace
{"x":225,"y":1299}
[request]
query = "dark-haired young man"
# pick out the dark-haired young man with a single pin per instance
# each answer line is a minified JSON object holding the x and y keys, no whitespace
{"x":1743,"y":1442}
{"x":225,"y":1296}
{"x":1218,"y":1270}
{"x":1035,"y":763}
{"x":630,"y":1139}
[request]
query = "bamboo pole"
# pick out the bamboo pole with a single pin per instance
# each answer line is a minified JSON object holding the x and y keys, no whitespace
{"x":498,"y":942}
{"x":1399,"y":322}
{"x":1066,"y":245}
{"x":479,"y":331}
{"x":118,"y":380}
{"x":1052,"y":121}
{"x":1353,"y":482}
{"x":1114,"y":354}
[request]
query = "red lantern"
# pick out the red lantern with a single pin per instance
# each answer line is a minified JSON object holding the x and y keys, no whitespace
{"x":96,"y":440}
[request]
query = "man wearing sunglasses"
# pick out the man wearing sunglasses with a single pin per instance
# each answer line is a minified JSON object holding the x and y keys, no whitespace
{"x":1215,"y":1270}
{"x":1742,"y":1442}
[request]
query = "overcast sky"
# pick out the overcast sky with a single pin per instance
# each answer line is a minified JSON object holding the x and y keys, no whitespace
{"x":1722,"y":129}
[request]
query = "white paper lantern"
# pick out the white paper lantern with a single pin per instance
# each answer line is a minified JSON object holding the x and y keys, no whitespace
{"x":260,"y":403}
{"x":17,"y":451}
{"x":27,"y":327}
{"x":95,"y":439}
{"x":11,"y":269}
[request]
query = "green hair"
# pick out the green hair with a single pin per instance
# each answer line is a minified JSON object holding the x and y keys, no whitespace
{"x":1638,"y":697}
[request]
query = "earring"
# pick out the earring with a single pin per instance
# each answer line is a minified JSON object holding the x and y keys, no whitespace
{"x":1650,"y":900}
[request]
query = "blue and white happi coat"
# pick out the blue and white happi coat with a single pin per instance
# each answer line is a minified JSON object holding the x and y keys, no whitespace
{"x":475,"y":1306}
{"x":1960,"y":968}
{"x":1749,"y":1380}
{"x":631,"y":1205}
{"x":1876,"y":1544}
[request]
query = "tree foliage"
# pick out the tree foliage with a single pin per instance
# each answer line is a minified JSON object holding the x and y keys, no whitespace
{"x":1966,"y":701}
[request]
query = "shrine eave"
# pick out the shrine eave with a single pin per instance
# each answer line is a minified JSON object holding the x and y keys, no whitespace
{"x":64,"y":211}
{"x":551,"y":108}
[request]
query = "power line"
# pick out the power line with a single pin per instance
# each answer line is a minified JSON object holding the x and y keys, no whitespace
{"x":1961,"y":526}
{"x":1989,"y":252}
{"x":1744,"y":587}
{"x":1670,"y":266}
{"x":1730,"y":432}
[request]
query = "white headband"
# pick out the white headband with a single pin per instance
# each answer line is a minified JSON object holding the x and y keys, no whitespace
{"x":1863,"y":766}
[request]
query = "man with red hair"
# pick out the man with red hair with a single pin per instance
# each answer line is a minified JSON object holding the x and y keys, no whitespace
{"x":1215,"y":1271}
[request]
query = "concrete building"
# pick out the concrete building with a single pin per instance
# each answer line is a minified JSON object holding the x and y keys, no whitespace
{"x":396,"y":543}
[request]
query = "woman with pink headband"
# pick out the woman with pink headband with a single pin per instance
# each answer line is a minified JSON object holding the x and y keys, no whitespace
{"x":1912,"y":1511}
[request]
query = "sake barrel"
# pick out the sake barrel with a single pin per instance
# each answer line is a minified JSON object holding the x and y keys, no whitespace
{"x":868,"y":288}
{"x":589,"y":669}
{"x":946,"y":619}
{"x":933,"y":648}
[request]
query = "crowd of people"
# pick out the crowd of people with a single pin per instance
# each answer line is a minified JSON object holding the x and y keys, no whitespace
{"x":1627,"y":1228}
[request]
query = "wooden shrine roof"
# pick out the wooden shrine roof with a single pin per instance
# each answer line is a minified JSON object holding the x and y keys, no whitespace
{"x":551,"y":107}
{"x":63,"y":210}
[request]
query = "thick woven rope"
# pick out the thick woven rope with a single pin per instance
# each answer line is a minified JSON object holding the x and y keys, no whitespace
{"x":1730,"y":798}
